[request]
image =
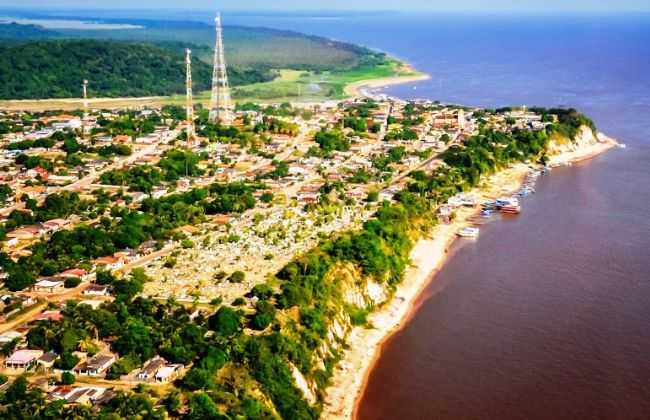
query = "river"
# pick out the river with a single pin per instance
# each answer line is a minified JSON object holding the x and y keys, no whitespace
{"x":547,"y":315}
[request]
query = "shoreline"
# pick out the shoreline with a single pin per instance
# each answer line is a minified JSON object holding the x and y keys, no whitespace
{"x":356,"y":89}
{"x":428,"y":257}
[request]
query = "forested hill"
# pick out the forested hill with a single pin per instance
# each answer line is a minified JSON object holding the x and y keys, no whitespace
{"x":56,"y":69}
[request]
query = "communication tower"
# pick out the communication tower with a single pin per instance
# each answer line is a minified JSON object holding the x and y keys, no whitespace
{"x":220,"y":110}
{"x":189,"y":104}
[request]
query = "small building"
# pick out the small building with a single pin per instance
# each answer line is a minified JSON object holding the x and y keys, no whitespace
{"x":97,"y":290}
{"x":55,"y":225}
{"x":169,"y":373}
{"x":151,"y":368}
{"x":50,"y":316}
{"x":9,"y":336}
{"x":23,"y":359}
{"x":47,"y":360}
{"x":96,"y":366}
{"x":50,"y":285}
{"x":109,"y":263}
{"x":79,"y":273}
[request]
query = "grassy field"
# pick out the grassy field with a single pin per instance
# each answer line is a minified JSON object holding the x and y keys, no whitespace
{"x":290,"y":86}
{"x":307,"y":86}
{"x":245,"y":47}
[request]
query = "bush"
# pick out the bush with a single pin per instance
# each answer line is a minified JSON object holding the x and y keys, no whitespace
{"x":67,"y":378}
{"x":104,"y":277}
{"x":67,"y":361}
{"x":71,"y":282}
{"x":237,"y":277}
{"x":225,"y":322}
{"x":262,"y":291}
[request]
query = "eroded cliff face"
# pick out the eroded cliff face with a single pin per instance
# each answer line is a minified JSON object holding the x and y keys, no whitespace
{"x":584,"y":140}
{"x":358,"y":293}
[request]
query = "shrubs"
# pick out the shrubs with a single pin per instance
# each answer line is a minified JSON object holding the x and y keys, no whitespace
{"x":67,"y":378}
{"x":237,"y":277}
{"x":225,"y":322}
{"x":71,"y":282}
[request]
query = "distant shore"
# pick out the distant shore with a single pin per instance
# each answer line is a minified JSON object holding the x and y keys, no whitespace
{"x":429,"y":255}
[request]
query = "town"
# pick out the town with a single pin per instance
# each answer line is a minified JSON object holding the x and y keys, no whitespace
{"x":103,"y":208}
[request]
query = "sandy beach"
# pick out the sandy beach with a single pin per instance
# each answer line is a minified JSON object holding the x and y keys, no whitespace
{"x":428,"y":256}
{"x":410,"y":75}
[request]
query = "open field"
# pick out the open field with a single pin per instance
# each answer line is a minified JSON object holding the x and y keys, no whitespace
{"x":290,"y":86}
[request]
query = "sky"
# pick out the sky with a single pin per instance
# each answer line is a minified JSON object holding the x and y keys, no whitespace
{"x":293,"y":5}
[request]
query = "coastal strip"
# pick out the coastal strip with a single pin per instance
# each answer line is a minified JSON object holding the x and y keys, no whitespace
{"x":428,"y":256}
{"x":406,"y":74}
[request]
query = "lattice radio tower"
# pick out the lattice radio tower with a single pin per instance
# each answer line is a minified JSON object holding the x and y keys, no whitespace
{"x":189,"y":103}
{"x":220,"y":110}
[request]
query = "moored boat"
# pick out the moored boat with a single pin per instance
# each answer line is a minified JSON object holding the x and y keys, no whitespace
{"x":469,"y":232}
{"x":511,"y":209}
{"x":486,"y":214}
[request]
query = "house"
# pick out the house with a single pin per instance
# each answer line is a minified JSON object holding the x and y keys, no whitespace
{"x":109,"y":263}
{"x":48,"y":285}
{"x":47,"y":360}
{"x":55,"y":224}
{"x":169,"y":373}
{"x":23,"y":359}
{"x":25,"y":234}
{"x":9,"y":336}
{"x":96,"y":366}
{"x":158,"y":193}
{"x":50,"y":316}
{"x":122,"y":139}
{"x":151,"y":368}
{"x":97,"y":290}
{"x":79,"y":273}
{"x":81,"y":395}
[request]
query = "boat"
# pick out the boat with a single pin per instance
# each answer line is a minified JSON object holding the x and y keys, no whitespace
{"x":511,"y":209}
{"x":489,"y":205}
{"x":507,"y":201}
{"x":486,"y":214}
{"x":469,"y":232}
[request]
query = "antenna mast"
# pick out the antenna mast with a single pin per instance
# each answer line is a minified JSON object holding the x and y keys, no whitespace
{"x":85,"y":92}
{"x":220,"y":110}
{"x":189,"y":104}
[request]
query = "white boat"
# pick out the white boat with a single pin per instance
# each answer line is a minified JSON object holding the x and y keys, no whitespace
{"x":507,"y":201}
{"x":486,"y":214}
{"x":469,"y":232}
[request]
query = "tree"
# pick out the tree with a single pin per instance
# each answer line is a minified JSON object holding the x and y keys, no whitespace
{"x":67,"y":378}
{"x":373,"y":197}
{"x":198,"y":378}
{"x":71,"y":282}
{"x":267,"y":197}
{"x":225,"y":322}
{"x":19,"y":279}
{"x":66,"y":361}
{"x":202,"y":408}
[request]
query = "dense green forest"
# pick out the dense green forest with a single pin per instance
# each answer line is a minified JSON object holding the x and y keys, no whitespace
{"x":16,"y":32}
{"x":56,"y":69}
